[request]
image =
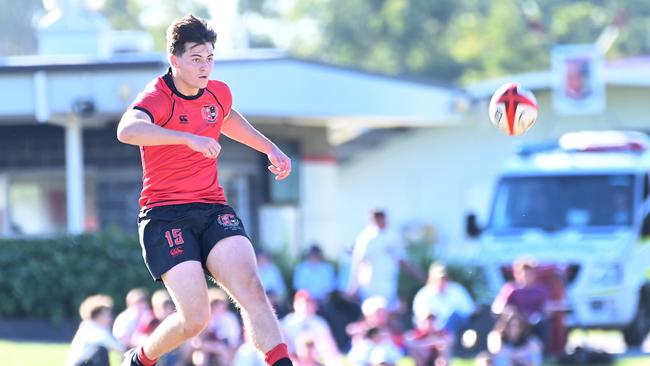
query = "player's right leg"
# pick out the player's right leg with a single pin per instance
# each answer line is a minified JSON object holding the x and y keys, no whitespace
{"x":172,"y":254}
{"x":187,"y":287}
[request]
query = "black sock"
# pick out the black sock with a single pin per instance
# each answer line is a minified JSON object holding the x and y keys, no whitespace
{"x":283,"y":362}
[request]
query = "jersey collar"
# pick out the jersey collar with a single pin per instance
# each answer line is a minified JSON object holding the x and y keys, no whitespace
{"x":170,"y":83}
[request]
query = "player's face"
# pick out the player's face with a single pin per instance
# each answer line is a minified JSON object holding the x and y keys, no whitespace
{"x":194,"y":66}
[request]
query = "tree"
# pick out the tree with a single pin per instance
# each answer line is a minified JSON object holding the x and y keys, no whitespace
{"x":463,"y":40}
{"x":19,"y":19}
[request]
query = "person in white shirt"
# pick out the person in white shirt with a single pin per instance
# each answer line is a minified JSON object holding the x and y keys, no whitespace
{"x":217,"y":344}
{"x":447,"y":300}
{"x":304,"y":322}
{"x":93,"y":339}
{"x":377,"y":256}
{"x":137,"y":307}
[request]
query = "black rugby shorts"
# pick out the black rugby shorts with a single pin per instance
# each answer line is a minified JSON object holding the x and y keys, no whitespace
{"x":173,"y":234}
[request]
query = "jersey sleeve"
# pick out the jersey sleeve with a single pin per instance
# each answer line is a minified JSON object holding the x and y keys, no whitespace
{"x":155,"y":104}
{"x":222,"y":93}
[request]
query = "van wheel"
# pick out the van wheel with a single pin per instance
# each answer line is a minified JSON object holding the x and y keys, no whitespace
{"x":638,"y":329}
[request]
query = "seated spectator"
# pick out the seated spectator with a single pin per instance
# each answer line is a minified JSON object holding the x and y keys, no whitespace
{"x":247,"y":354}
{"x":374,"y":348}
{"x":375,"y":315}
{"x":339,"y":311}
{"x":526,"y":296}
{"x":217,"y":344}
{"x":447,"y":300}
{"x":512,"y":341}
{"x":93,"y":340}
{"x":162,"y":306}
{"x":427,"y":344}
{"x":271,"y":276}
{"x":304,"y":322}
{"x":137,"y":307}
{"x":306,"y":354}
{"x":314,"y":275}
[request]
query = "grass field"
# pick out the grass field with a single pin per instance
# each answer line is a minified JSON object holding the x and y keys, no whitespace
{"x":46,"y":354}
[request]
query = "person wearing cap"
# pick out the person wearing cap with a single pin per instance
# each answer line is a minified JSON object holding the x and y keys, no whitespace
{"x":314,"y":274}
{"x":304,"y":322}
{"x":447,"y":300}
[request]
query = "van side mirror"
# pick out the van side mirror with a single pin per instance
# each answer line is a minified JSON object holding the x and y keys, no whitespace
{"x":472,"y":228}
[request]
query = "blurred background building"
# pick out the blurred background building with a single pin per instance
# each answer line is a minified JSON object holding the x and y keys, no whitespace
{"x":423,"y":150}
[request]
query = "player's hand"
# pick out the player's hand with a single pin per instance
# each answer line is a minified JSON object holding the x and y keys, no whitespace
{"x":207,"y":146}
{"x":280,"y":164}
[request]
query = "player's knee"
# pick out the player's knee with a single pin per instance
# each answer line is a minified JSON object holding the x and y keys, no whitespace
{"x":195,"y":322}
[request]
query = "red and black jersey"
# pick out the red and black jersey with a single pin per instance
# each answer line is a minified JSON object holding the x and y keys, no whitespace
{"x":176,"y":174}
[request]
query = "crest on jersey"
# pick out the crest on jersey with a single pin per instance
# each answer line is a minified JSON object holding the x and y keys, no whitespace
{"x":209,"y":113}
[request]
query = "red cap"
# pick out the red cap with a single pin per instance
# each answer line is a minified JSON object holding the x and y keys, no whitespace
{"x":302,"y":295}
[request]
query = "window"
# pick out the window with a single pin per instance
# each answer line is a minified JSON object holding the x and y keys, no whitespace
{"x":35,"y":204}
{"x":286,"y":190}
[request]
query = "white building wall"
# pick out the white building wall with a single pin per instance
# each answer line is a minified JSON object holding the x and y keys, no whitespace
{"x":434,"y":176}
{"x":318,"y":206}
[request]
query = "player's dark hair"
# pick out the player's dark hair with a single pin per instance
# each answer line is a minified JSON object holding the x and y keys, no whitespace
{"x":188,"y":29}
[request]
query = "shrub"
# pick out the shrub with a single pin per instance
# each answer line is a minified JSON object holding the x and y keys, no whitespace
{"x":48,"y":278}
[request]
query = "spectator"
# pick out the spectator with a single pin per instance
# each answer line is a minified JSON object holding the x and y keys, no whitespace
{"x":375,"y":315}
{"x":427,"y":344}
{"x":447,"y":300}
{"x":339,"y":312}
{"x":304,"y":322}
{"x":137,"y":307}
{"x":162,"y":306}
{"x":217,"y":344}
{"x":306,"y":353}
{"x":374,"y":348}
{"x":377,"y":256}
{"x":315,"y":275}
{"x":93,"y":339}
{"x":247,"y":354}
{"x":512,"y":341}
{"x":526,"y":296}
{"x":271,"y":277}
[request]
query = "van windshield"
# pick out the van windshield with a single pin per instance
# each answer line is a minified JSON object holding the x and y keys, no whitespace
{"x":554,"y":203}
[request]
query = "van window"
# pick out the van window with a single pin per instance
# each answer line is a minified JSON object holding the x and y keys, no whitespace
{"x":560,"y":202}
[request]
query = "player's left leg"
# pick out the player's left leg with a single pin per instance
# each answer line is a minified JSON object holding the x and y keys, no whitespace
{"x":232,"y":263}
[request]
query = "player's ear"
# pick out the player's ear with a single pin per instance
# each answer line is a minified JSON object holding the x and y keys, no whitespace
{"x":173,"y":60}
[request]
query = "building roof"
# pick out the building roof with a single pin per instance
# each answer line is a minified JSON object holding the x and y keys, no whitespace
{"x":264,"y":84}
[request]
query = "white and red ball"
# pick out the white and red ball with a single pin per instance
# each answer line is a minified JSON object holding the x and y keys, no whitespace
{"x":513,"y":109}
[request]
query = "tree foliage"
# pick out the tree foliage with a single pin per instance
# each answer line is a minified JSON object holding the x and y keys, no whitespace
{"x":464,"y":40}
{"x":456,"y":41}
{"x":18,"y":19}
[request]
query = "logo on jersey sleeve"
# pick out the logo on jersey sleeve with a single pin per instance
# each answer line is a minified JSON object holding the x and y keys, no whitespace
{"x":209,"y":113}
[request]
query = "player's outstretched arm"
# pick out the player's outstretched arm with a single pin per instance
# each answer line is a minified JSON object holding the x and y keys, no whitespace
{"x":136,"y":128}
{"x":237,"y":128}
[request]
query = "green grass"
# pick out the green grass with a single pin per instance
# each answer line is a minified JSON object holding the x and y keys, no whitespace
{"x":41,"y":354}
{"x":37,"y":354}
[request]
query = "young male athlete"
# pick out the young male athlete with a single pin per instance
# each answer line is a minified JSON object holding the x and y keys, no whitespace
{"x":185,"y":224}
